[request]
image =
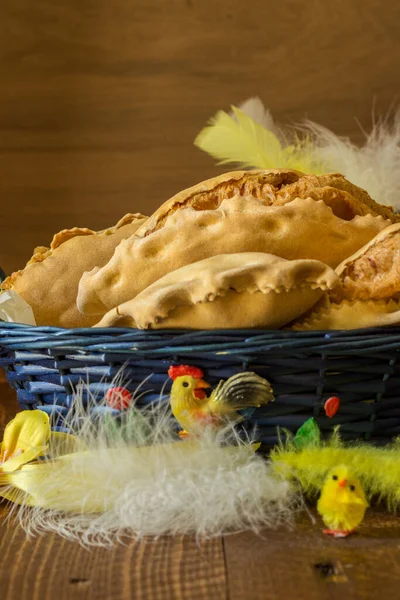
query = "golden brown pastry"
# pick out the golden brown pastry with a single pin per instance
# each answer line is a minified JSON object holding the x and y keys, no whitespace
{"x":49,"y":282}
{"x":368,"y":294}
{"x":242,"y":290}
{"x":281,"y":212}
{"x":351,"y":315}
{"x":374,"y":271}
{"x":273,"y":187}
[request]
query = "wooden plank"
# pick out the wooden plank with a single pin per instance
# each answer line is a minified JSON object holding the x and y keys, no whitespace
{"x":307,"y":565}
{"x":101,"y":101}
{"x":49,"y":567}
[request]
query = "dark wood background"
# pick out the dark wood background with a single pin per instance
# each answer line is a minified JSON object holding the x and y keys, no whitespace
{"x":100,"y":100}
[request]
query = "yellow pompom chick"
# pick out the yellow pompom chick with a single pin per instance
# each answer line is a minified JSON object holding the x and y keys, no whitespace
{"x":342,"y":503}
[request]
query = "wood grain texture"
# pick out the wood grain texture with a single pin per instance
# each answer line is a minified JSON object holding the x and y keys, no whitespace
{"x":49,"y":567}
{"x":101,"y":100}
{"x":306,"y":565}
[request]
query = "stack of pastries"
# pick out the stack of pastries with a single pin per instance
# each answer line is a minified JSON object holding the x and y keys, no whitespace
{"x":248,"y":249}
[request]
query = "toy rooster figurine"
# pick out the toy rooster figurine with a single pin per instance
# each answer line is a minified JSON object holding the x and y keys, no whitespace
{"x":192,"y":408}
{"x":342,"y":503}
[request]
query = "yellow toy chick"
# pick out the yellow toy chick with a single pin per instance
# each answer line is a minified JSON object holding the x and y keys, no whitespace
{"x":342,"y":503}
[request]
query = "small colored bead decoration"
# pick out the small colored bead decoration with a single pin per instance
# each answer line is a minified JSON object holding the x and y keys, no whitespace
{"x":118,"y":398}
{"x":331,"y":406}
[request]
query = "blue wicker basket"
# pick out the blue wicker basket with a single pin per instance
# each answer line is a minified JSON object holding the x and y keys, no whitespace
{"x":44,"y":364}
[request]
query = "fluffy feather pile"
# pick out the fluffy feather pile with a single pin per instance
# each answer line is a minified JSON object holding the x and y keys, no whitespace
{"x":377,"y":468}
{"x":136,"y":479}
{"x":250,"y":138}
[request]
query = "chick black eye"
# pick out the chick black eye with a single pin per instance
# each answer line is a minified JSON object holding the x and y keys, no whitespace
{"x":334,"y":477}
{"x":185,"y":384}
{"x":352,"y":488}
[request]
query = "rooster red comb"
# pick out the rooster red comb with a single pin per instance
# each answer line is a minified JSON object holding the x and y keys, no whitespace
{"x":183,"y":370}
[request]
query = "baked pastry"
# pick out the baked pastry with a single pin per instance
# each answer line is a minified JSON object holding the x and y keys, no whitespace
{"x":49,"y":282}
{"x":281,"y":212}
{"x":242,"y":290}
{"x":368,"y":294}
{"x":374,"y":271}
{"x":357,"y":314}
{"x":274,"y":187}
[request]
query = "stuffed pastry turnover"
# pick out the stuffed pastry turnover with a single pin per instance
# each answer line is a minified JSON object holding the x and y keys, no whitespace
{"x":242,"y":290}
{"x":280,"y":212}
{"x":49,"y":282}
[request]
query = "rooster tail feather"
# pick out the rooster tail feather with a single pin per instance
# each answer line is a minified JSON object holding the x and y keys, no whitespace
{"x":244,"y":390}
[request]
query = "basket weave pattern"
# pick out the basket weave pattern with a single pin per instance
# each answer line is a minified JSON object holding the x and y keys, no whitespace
{"x":44,"y":365}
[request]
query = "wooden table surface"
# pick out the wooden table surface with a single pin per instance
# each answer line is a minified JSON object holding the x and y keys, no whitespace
{"x":302,"y":564}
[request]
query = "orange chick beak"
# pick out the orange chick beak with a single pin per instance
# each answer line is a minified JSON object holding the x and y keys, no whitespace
{"x":199,"y":389}
{"x":342,"y":483}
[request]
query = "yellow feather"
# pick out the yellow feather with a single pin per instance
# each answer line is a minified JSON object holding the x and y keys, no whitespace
{"x":378,"y":469}
{"x":239,"y":139}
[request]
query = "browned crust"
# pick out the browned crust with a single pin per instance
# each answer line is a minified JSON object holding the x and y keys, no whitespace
{"x":126,"y":220}
{"x":39,"y":254}
{"x":42,"y":252}
{"x":9,"y":282}
{"x":346,"y":199}
{"x":273,"y":187}
{"x":208,"y":194}
{"x":374,"y":271}
{"x":67,"y":234}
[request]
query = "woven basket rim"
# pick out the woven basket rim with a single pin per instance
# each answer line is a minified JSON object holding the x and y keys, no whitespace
{"x":16,"y":336}
{"x":113,"y":331}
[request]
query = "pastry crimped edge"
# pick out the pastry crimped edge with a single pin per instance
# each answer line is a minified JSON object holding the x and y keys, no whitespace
{"x":49,"y":282}
{"x":347,"y":315}
{"x":301,"y":228}
{"x":209,"y":193}
{"x":272,"y":190}
{"x":41,"y":253}
{"x":213,"y":279}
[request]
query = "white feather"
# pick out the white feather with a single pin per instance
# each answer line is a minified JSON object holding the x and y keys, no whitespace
{"x":254,"y":108}
{"x":147,"y":483}
{"x":375,"y":166}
